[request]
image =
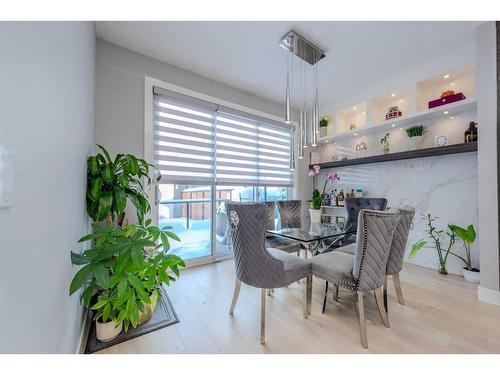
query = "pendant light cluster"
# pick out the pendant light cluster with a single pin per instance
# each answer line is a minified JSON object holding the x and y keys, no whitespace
{"x":308,"y":121}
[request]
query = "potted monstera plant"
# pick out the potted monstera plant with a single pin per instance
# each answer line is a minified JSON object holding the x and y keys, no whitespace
{"x":126,"y":265}
{"x":468,"y":236}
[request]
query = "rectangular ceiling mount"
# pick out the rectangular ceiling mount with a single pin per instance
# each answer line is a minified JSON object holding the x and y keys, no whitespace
{"x":301,"y":47}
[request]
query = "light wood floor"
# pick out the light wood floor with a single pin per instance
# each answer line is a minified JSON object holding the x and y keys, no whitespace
{"x":441,"y":315}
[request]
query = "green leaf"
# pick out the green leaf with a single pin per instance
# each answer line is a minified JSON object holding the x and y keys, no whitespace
{"x":79,"y":259}
{"x":102,"y":276}
{"x":163,"y":276}
{"x":415,"y":248}
{"x":120,"y":199}
{"x":106,"y":154}
{"x":123,"y":181}
{"x":95,"y":189}
{"x":88,"y":293}
{"x":467,"y":235}
{"x":132,"y":164}
{"x":99,"y":304}
{"x":105,"y":202}
{"x":81,"y":277}
{"x":122,"y":287}
{"x":172,"y":235}
{"x":93,"y":166}
{"x":137,"y":284}
{"x":107,"y":173}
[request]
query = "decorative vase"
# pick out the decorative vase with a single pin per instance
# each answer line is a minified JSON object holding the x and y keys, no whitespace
{"x":473,"y":275}
{"x":385,"y":148}
{"x":107,"y":331}
{"x":149,"y":307}
{"x":315,"y":215}
{"x":415,"y":143}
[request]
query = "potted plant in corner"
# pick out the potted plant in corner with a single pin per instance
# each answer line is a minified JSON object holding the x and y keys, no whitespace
{"x":317,"y":198}
{"x":323,"y":124}
{"x":126,"y":265}
{"x":468,"y":236}
{"x":415,"y":135}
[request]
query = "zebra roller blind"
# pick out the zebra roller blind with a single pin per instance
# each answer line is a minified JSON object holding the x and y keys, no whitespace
{"x":198,"y":141}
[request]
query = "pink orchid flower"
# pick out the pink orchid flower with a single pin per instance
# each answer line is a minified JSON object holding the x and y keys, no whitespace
{"x":316,"y":168}
{"x":333,"y":176}
{"x":311,"y":173}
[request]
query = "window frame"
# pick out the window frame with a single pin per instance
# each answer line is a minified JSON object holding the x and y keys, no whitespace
{"x":149,"y":84}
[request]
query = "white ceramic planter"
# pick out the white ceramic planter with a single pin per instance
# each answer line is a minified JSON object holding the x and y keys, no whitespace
{"x":315,"y":215}
{"x":322,"y":131}
{"x":107,"y":331}
{"x":414,"y":143}
{"x":472,"y":276}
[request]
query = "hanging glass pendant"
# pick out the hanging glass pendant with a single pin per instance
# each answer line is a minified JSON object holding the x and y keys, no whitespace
{"x":292,"y":149}
{"x":300,"y":146}
{"x":288,"y":117}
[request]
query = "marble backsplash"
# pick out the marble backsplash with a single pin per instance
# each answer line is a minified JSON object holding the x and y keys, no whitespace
{"x":444,"y":186}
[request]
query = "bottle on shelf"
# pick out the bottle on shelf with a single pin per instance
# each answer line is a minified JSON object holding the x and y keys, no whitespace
{"x":333,"y":198}
{"x":470,"y":134}
{"x":359,"y":193}
{"x":352,"y":194}
{"x":340,"y":198}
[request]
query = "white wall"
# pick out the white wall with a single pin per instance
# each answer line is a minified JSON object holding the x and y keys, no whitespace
{"x":120,"y":95}
{"x":487,"y":160}
{"x":47,"y":121}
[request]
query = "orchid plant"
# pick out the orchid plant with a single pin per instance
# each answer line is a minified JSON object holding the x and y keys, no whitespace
{"x":329,"y":178}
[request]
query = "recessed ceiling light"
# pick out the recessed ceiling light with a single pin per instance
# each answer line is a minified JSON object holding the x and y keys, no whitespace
{"x":355,"y":133}
{"x":446,"y":76}
{"x":393,"y":125}
{"x":354,"y":108}
{"x":445,"y":112}
{"x":401,"y":100}
{"x":326,"y":141}
{"x":393,"y":95}
{"x":452,"y":117}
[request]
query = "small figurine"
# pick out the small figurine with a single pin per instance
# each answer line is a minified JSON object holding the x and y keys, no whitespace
{"x":384,"y":141}
{"x":393,"y":112}
{"x":447,"y":93}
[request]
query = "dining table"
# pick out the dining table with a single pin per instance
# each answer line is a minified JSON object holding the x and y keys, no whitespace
{"x":317,"y":237}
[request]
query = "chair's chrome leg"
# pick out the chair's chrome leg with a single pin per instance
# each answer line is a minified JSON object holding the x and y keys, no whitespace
{"x":262,"y":316}
{"x":236,"y":293}
{"x":335,"y":292}
{"x":362,"y":321}
{"x":397,"y":286}
{"x":324,"y":298}
{"x":305,"y":307}
{"x":380,"y":304}
{"x":308,"y":295}
{"x":385,"y":296}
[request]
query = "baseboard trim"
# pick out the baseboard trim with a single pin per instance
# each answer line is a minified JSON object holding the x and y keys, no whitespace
{"x":488,"y":295}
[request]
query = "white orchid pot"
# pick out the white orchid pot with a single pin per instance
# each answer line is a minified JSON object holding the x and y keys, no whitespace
{"x":473,"y":276}
{"x":322,"y":131}
{"x":415,"y":143}
{"x":315,"y":215}
{"x":107,"y":331}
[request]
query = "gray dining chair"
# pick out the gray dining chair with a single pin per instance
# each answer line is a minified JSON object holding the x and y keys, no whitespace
{"x":365,"y":271}
{"x":276,"y":242}
{"x":397,"y":253}
{"x":260,"y":267}
{"x":352,"y":206}
{"x":290,"y":213}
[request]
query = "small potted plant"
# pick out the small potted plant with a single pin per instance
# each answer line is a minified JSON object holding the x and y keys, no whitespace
{"x":384,"y":141}
{"x":108,"y":327}
{"x":317,"y":198}
{"x":468,"y":236}
{"x":415,"y":134}
{"x":443,"y":250}
{"x":323,"y":124}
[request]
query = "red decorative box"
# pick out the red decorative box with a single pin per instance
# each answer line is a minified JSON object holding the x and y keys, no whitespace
{"x":446,"y":100}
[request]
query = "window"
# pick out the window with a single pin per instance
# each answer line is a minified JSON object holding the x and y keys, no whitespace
{"x":208,"y":154}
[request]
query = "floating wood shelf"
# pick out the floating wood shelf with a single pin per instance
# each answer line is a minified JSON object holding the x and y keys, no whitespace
{"x":423,"y":153}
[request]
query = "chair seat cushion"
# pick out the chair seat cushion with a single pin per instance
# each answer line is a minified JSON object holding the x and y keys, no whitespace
{"x":284,"y":244}
{"x":348,"y":249}
{"x":335,"y":267}
{"x":295,"y":267}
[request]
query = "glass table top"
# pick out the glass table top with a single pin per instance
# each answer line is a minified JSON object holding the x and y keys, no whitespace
{"x":313,"y":232}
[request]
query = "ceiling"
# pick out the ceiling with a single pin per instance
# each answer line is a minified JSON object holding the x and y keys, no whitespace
{"x":246,"y":55}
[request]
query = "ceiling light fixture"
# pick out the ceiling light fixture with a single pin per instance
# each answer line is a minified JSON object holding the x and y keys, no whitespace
{"x":446,"y":76}
{"x":445,"y":112}
{"x":393,"y":95}
{"x":308,"y":126}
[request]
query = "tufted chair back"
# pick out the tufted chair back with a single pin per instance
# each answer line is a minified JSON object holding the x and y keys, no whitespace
{"x":253,"y":263}
{"x":290,"y":212}
{"x":396,"y":255}
{"x":354,"y":205}
{"x":374,"y":238}
{"x":271,"y":224}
